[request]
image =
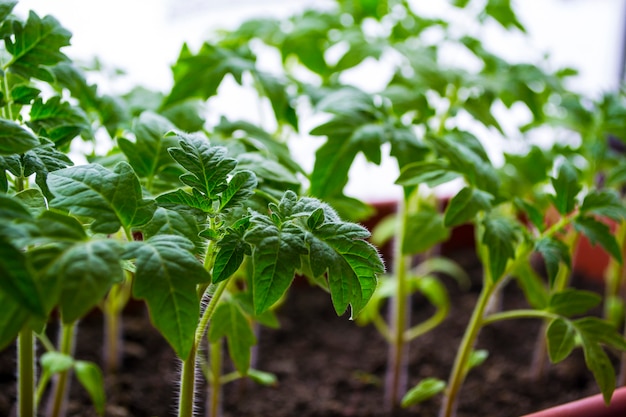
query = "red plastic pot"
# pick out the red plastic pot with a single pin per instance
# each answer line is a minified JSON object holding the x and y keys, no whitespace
{"x":593,"y":406}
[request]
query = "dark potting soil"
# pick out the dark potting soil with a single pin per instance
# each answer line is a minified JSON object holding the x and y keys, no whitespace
{"x":328,"y":366}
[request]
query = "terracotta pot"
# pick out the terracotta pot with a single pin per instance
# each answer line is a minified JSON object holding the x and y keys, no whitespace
{"x":593,"y":406}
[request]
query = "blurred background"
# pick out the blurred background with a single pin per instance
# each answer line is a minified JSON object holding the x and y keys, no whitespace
{"x":143,"y":38}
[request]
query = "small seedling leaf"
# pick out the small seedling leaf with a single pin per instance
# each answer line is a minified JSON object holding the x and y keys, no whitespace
{"x":55,"y":362}
{"x":263,"y":378}
{"x":423,"y":391}
{"x":90,"y":377}
{"x":431,"y":173}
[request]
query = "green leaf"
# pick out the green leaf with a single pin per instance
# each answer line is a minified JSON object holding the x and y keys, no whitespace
{"x":554,"y":252}
{"x":477,"y":358}
{"x":598,"y":233}
{"x":500,"y":238}
{"x":90,"y":377}
{"x":41,"y":161}
{"x":208,"y":165}
{"x":148,"y":153}
{"x":465,"y":205}
{"x":276,"y":91}
{"x":426,"y":389}
{"x":604,"y":203}
{"x":503,"y":13}
{"x":14,"y":139}
{"x":199,"y":75}
{"x":566,"y":187}
{"x":230,"y":322}
{"x":351,"y":264}
{"x":534,"y":214}
{"x":561,"y":337}
{"x":267,"y":169}
{"x":240,"y":188}
{"x":6,"y":7}
{"x":24,"y":94}
{"x":55,"y":362}
{"x":35,"y":45}
{"x":594,"y":333}
{"x":33,"y":199}
{"x":480,"y":109}
{"x":570,"y":302}
{"x":13,"y":318}
{"x":72,"y":78}
{"x":466,"y":155}
{"x":195,"y":200}
{"x":166,"y":277}
{"x":232,"y":249}
{"x":111,"y":198}
{"x":424,"y":230}
{"x":86,"y":271}
{"x":431,"y":173}
{"x":173,"y":222}
{"x":19,"y":281}
{"x":263,"y":378}
{"x":58,"y":121}
{"x":60,"y":227}
{"x":276,"y":256}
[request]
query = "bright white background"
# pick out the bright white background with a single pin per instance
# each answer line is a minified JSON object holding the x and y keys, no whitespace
{"x":143,"y":37}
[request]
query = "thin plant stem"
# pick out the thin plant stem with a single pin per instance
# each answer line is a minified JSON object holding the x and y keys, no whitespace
{"x":188,"y":373}
{"x":395,"y":381}
{"x":459,"y":369}
{"x":114,"y":305}
{"x":26,"y":374}
{"x":61,"y":387}
{"x":187,"y":385}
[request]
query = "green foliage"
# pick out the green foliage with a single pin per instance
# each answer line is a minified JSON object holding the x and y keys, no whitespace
{"x":208,"y":223}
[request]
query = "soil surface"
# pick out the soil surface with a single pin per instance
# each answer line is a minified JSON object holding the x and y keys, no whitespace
{"x":328,"y":366}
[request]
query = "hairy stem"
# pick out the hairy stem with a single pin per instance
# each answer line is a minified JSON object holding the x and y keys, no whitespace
{"x":187,"y":395}
{"x":26,"y":373}
{"x":188,"y":374}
